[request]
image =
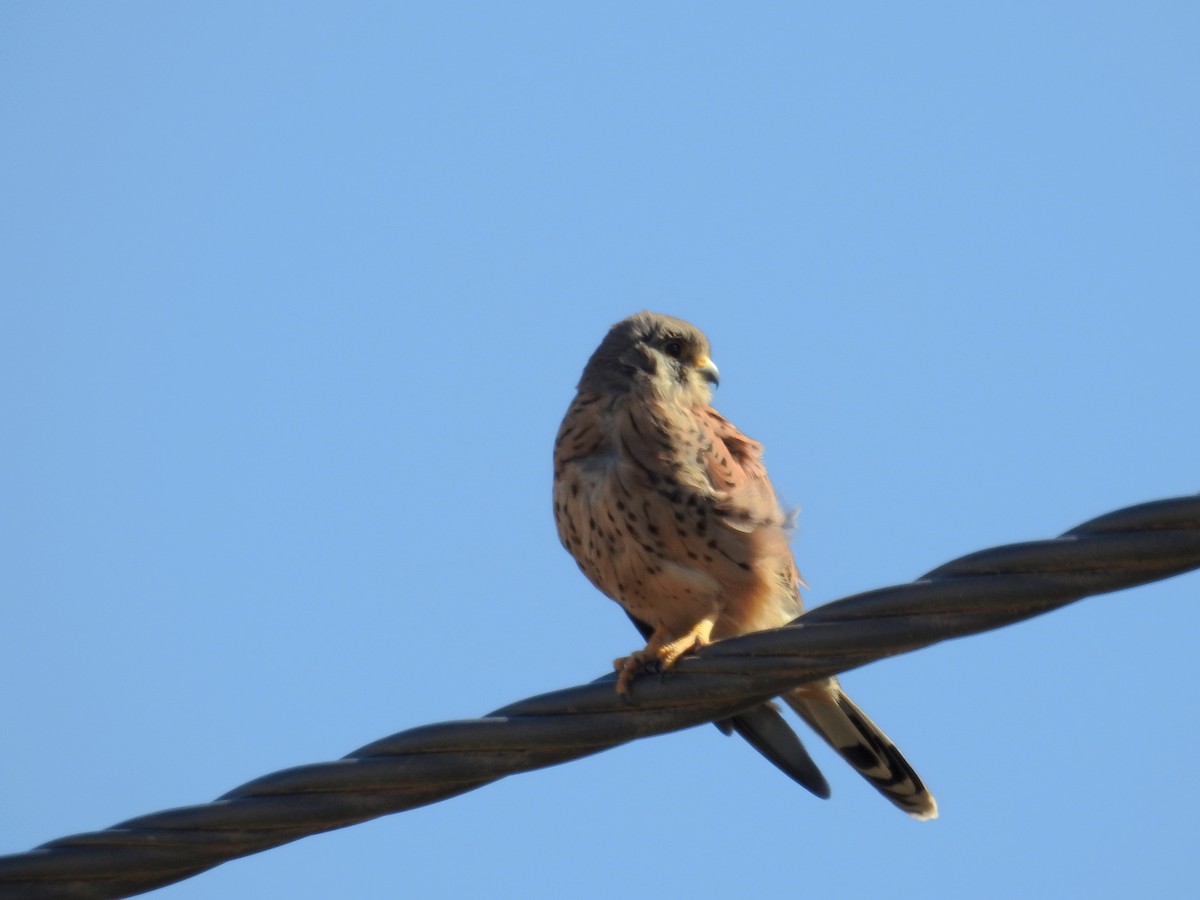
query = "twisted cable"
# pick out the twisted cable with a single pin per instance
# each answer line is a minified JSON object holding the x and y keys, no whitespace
{"x":974,"y":593}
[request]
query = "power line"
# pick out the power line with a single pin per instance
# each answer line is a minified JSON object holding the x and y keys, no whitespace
{"x":974,"y":593}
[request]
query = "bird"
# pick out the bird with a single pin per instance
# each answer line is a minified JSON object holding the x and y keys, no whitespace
{"x":668,"y":510}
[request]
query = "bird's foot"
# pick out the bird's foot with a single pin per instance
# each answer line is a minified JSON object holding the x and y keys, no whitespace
{"x":658,"y":654}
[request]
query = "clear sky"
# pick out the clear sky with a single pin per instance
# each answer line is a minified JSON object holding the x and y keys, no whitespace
{"x":296,"y":294}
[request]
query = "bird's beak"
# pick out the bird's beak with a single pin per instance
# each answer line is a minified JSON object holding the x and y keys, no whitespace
{"x":708,"y":371}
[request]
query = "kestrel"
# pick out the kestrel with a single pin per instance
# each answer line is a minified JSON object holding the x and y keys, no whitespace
{"x":667,"y":508}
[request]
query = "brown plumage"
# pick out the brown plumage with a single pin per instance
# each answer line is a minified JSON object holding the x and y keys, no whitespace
{"x":667,"y":508}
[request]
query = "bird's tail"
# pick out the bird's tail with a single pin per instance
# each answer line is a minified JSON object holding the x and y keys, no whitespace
{"x":858,"y":740}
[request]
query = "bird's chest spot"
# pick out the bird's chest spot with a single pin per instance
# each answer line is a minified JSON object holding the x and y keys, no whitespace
{"x":647,"y":548}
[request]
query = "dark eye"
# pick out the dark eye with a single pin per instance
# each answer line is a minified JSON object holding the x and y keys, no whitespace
{"x":673,"y":348}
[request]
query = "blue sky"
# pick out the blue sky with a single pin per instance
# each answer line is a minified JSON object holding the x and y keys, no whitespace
{"x":296,"y":295}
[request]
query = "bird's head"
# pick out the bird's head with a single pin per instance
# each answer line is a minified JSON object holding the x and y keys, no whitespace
{"x":650,"y":351}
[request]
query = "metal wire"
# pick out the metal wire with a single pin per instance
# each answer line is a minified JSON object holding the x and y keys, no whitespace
{"x":974,"y":593}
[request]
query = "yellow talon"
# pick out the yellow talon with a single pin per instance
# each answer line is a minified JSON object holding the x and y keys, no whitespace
{"x":660,"y":654}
